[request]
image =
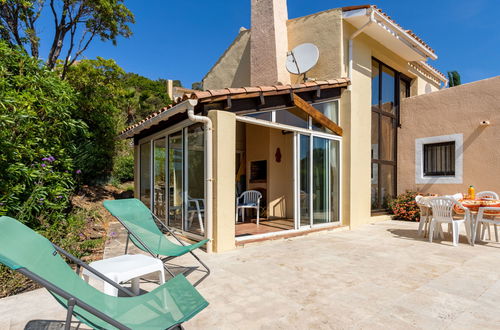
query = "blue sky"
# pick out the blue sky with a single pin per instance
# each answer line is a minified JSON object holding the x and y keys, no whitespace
{"x":183,"y":39}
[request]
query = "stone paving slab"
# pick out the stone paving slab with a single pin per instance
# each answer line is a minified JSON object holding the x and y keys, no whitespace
{"x":376,"y":276}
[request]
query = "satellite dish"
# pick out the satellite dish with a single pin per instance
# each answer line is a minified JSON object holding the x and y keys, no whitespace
{"x":302,"y":58}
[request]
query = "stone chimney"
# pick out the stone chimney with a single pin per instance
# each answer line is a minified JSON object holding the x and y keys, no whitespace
{"x":269,"y":43}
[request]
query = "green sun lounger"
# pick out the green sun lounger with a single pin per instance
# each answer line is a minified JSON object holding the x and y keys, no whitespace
{"x":143,"y":231}
{"x":29,"y":253}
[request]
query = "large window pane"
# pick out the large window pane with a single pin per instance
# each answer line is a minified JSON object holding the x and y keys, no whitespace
{"x":375,"y":142}
{"x":331,"y":111}
{"x":325,"y":181}
{"x":374,"y":190}
{"x":388,"y":90}
{"x":145,"y":175}
{"x":305,"y":182}
{"x":261,"y":115}
{"x":375,"y":83}
{"x":195,"y":160}
{"x":387,"y":138}
{"x":387,"y":179}
{"x":292,"y":117}
{"x":159,"y":178}
{"x":175,"y":172}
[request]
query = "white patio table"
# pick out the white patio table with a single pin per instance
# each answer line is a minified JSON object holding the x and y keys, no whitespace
{"x":124,"y":268}
{"x":474,"y":205}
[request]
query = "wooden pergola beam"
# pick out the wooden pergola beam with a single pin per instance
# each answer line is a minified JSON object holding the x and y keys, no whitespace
{"x":316,"y":115}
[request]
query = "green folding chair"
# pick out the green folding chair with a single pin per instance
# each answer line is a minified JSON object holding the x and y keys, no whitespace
{"x":32,"y":255}
{"x":143,"y":231}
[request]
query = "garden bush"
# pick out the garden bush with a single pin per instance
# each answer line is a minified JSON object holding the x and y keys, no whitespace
{"x":37,"y":134}
{"x":404,"y":207}
{"x":37,"y":141}
{"x":99,"y":102}
{"x":124,"y":168}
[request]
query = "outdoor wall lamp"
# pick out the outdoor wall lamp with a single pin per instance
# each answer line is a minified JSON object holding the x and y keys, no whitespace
{"x":485,"y":123}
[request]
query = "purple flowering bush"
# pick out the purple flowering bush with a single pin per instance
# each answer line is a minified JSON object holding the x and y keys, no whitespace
{"x":37,"y":147}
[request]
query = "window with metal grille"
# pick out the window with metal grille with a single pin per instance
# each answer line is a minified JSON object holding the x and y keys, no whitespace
{"x":439,"y":159}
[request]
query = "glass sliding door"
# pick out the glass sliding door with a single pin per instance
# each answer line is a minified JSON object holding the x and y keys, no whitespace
{"x":145,"y":173}
{"x":325,"y":181}
{"x":195,"y":186}
{"x":175,"y":179}
{"x":304,"y":180}
{"x":159,"y":178}
{"x":319,"y":180}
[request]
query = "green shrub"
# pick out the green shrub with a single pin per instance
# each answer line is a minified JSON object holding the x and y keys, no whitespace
{"x":37,"y":135}
{"x":99,"y":102}
{"x":404,"y":207}
{"x":124,"y":168}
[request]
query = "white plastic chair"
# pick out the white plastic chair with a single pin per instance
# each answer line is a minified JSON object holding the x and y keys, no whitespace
{"x":442,"y":212}
{"x":486,"y":226}
{"x":198,"y":210}
{"x":425,"y":214}
{"x":487,"y":194}
{"x":251,"y":200}
{"x":481,"y":222}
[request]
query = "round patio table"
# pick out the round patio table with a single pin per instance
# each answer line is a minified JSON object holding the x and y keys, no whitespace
{"x":474,"y":205}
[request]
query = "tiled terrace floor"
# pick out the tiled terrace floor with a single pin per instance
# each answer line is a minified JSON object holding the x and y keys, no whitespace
{"x":378,"y":276}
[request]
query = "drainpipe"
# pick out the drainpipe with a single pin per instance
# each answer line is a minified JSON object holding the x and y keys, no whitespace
{"x":371,"y":20}
{"x":208,"y":168}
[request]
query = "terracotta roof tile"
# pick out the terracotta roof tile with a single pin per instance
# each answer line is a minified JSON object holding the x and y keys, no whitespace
{"x":251,"y":89}
{"x":267,"y":88}
{"x":219,"y":92}
{"x":236,"y":90}
{"x":212,"y":94}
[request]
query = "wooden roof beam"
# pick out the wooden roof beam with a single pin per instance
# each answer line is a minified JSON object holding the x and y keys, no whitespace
{"x":316,"y":115}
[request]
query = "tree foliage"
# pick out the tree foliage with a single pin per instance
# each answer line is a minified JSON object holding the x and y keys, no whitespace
{"x":76,"y":24}
{"x":99,"y":101}
{"x":454,"y":78}
{"x":143,"y":96}
{"x":37,"y":133}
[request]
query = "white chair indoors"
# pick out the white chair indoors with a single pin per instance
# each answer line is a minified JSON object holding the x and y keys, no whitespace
{"x":442,"y":212}
{"x":249,"y":199}
{"x":196,"y":207}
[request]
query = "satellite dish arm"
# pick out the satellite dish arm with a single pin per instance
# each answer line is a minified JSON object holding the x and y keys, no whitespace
{"x":296,"y":63}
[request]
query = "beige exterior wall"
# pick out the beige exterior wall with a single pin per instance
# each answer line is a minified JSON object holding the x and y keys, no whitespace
{"x":331,"y":33}
{"x":457,"y":110}
{"x":323,"y":29}
{"x":224,"y":140}
{"x":233,"y":67}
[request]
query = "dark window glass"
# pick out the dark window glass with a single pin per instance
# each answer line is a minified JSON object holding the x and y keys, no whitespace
{"x":375,"y":142}
{"x":387,"y":143}
{"x":375,"y":83}
{"x":261,"y":115}
{"x":385,"y":105}
{"x":292,"y":117}
{"x":145,"y":175}
{"x":439,"y":159}
{"x":388,"y":90}
{"x":404,"y":89}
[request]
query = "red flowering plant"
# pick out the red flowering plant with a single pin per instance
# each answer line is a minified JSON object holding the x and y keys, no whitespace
{"x":404,"y":207}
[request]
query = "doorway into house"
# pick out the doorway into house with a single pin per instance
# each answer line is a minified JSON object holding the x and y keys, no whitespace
{"x":294,"y":167}
{"x":264,"y":164}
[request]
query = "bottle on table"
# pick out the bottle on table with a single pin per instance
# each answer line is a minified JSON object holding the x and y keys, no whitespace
{"x":471,"y":192}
